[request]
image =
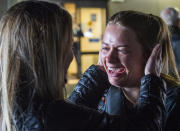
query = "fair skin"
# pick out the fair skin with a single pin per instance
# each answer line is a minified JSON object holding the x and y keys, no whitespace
{"x":122,"y":59}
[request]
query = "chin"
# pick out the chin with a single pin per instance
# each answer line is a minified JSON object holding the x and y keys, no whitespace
{"x":119,"y":85}
{"x":118,"y":82}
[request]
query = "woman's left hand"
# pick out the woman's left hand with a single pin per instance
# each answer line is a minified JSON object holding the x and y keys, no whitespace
{"x":153,"y":62}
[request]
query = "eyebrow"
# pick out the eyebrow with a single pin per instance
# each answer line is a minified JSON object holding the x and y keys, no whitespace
{"x":104,"y":43}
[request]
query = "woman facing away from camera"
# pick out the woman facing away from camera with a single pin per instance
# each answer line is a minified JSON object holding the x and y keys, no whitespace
{"x":35,"y":53}
{"x":128,"y":41}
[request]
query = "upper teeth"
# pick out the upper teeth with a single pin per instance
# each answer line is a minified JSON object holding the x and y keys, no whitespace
{"x":109,"y":68}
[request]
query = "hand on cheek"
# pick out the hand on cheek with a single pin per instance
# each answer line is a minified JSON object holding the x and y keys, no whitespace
{"x":151,"y":65}
{"x":100,"y":64}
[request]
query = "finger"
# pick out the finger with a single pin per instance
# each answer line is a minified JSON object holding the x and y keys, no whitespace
{"x":100,"y":64}
{"x":154,"y":54}
{"x":99,"y":59}
{"x":151,"y":63}
{"x":155,"y":51}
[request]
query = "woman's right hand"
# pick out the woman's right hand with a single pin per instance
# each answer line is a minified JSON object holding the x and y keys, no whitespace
{"x":100,"y":64}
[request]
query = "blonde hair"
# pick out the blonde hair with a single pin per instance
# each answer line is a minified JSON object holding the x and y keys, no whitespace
{"x":150,"y":31}
{"x":33,"y":35}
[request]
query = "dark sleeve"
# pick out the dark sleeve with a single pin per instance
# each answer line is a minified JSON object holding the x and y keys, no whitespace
{"x":151,"y":103}
{"x":148,"y":116}
{"x":173,"y":109}
{"x":90,"y":88}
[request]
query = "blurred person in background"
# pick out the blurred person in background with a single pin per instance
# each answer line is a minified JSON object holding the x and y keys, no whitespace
{"x":77,"y":32}
{"x":35,"y":53}
{"x":129,"y":39}
{"x":171,"y":17}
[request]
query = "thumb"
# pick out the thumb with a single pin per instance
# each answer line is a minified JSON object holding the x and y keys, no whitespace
{"x":100,"y":64}
{"x":99,"y":59}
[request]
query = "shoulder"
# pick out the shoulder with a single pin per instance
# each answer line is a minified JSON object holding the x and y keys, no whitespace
{"x":58,"y":116}
{"x":172,"y":90}
{"x":172,"y":96}
{"x":30,"y":119}
{"x":61,"y":115}
{"x":172,"y":87}
{"x":172,"y":104}
{"x":173,"y":108}
{"x":59,"y":108}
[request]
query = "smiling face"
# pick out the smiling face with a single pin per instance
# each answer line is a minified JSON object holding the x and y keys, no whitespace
{"x":122,"y":56}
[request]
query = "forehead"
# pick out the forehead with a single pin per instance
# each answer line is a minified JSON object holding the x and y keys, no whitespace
{"x":117,"y":34}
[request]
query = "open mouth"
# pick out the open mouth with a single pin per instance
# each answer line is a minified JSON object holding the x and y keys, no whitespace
{"x":116,"y":71}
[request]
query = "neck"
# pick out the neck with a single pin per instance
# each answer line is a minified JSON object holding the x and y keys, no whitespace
{"x":131,"y":94}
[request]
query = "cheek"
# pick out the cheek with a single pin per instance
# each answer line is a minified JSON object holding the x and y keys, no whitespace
{"x":125,"y":60}
{"x":132,"y":61}
{"x":136,"y":65}
{"x":102,"y":57}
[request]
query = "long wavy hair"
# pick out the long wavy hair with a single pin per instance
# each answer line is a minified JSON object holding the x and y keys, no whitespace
{"x":33,"y":45}
{"x":150,"y":31}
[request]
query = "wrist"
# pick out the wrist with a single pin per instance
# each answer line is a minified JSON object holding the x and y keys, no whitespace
{"x":101,"y":68}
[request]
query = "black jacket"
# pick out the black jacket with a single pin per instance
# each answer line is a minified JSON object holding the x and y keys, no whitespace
{"x":96,"y":80}
{"x":175,"y":40}
{"x":63,"y":116}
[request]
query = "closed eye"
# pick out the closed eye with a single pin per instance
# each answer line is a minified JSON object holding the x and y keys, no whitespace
{"x":105,"y":48}
{"x":123,"y":51}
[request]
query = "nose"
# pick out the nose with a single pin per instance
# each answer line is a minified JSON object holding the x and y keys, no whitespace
{"x":112,"y":56}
